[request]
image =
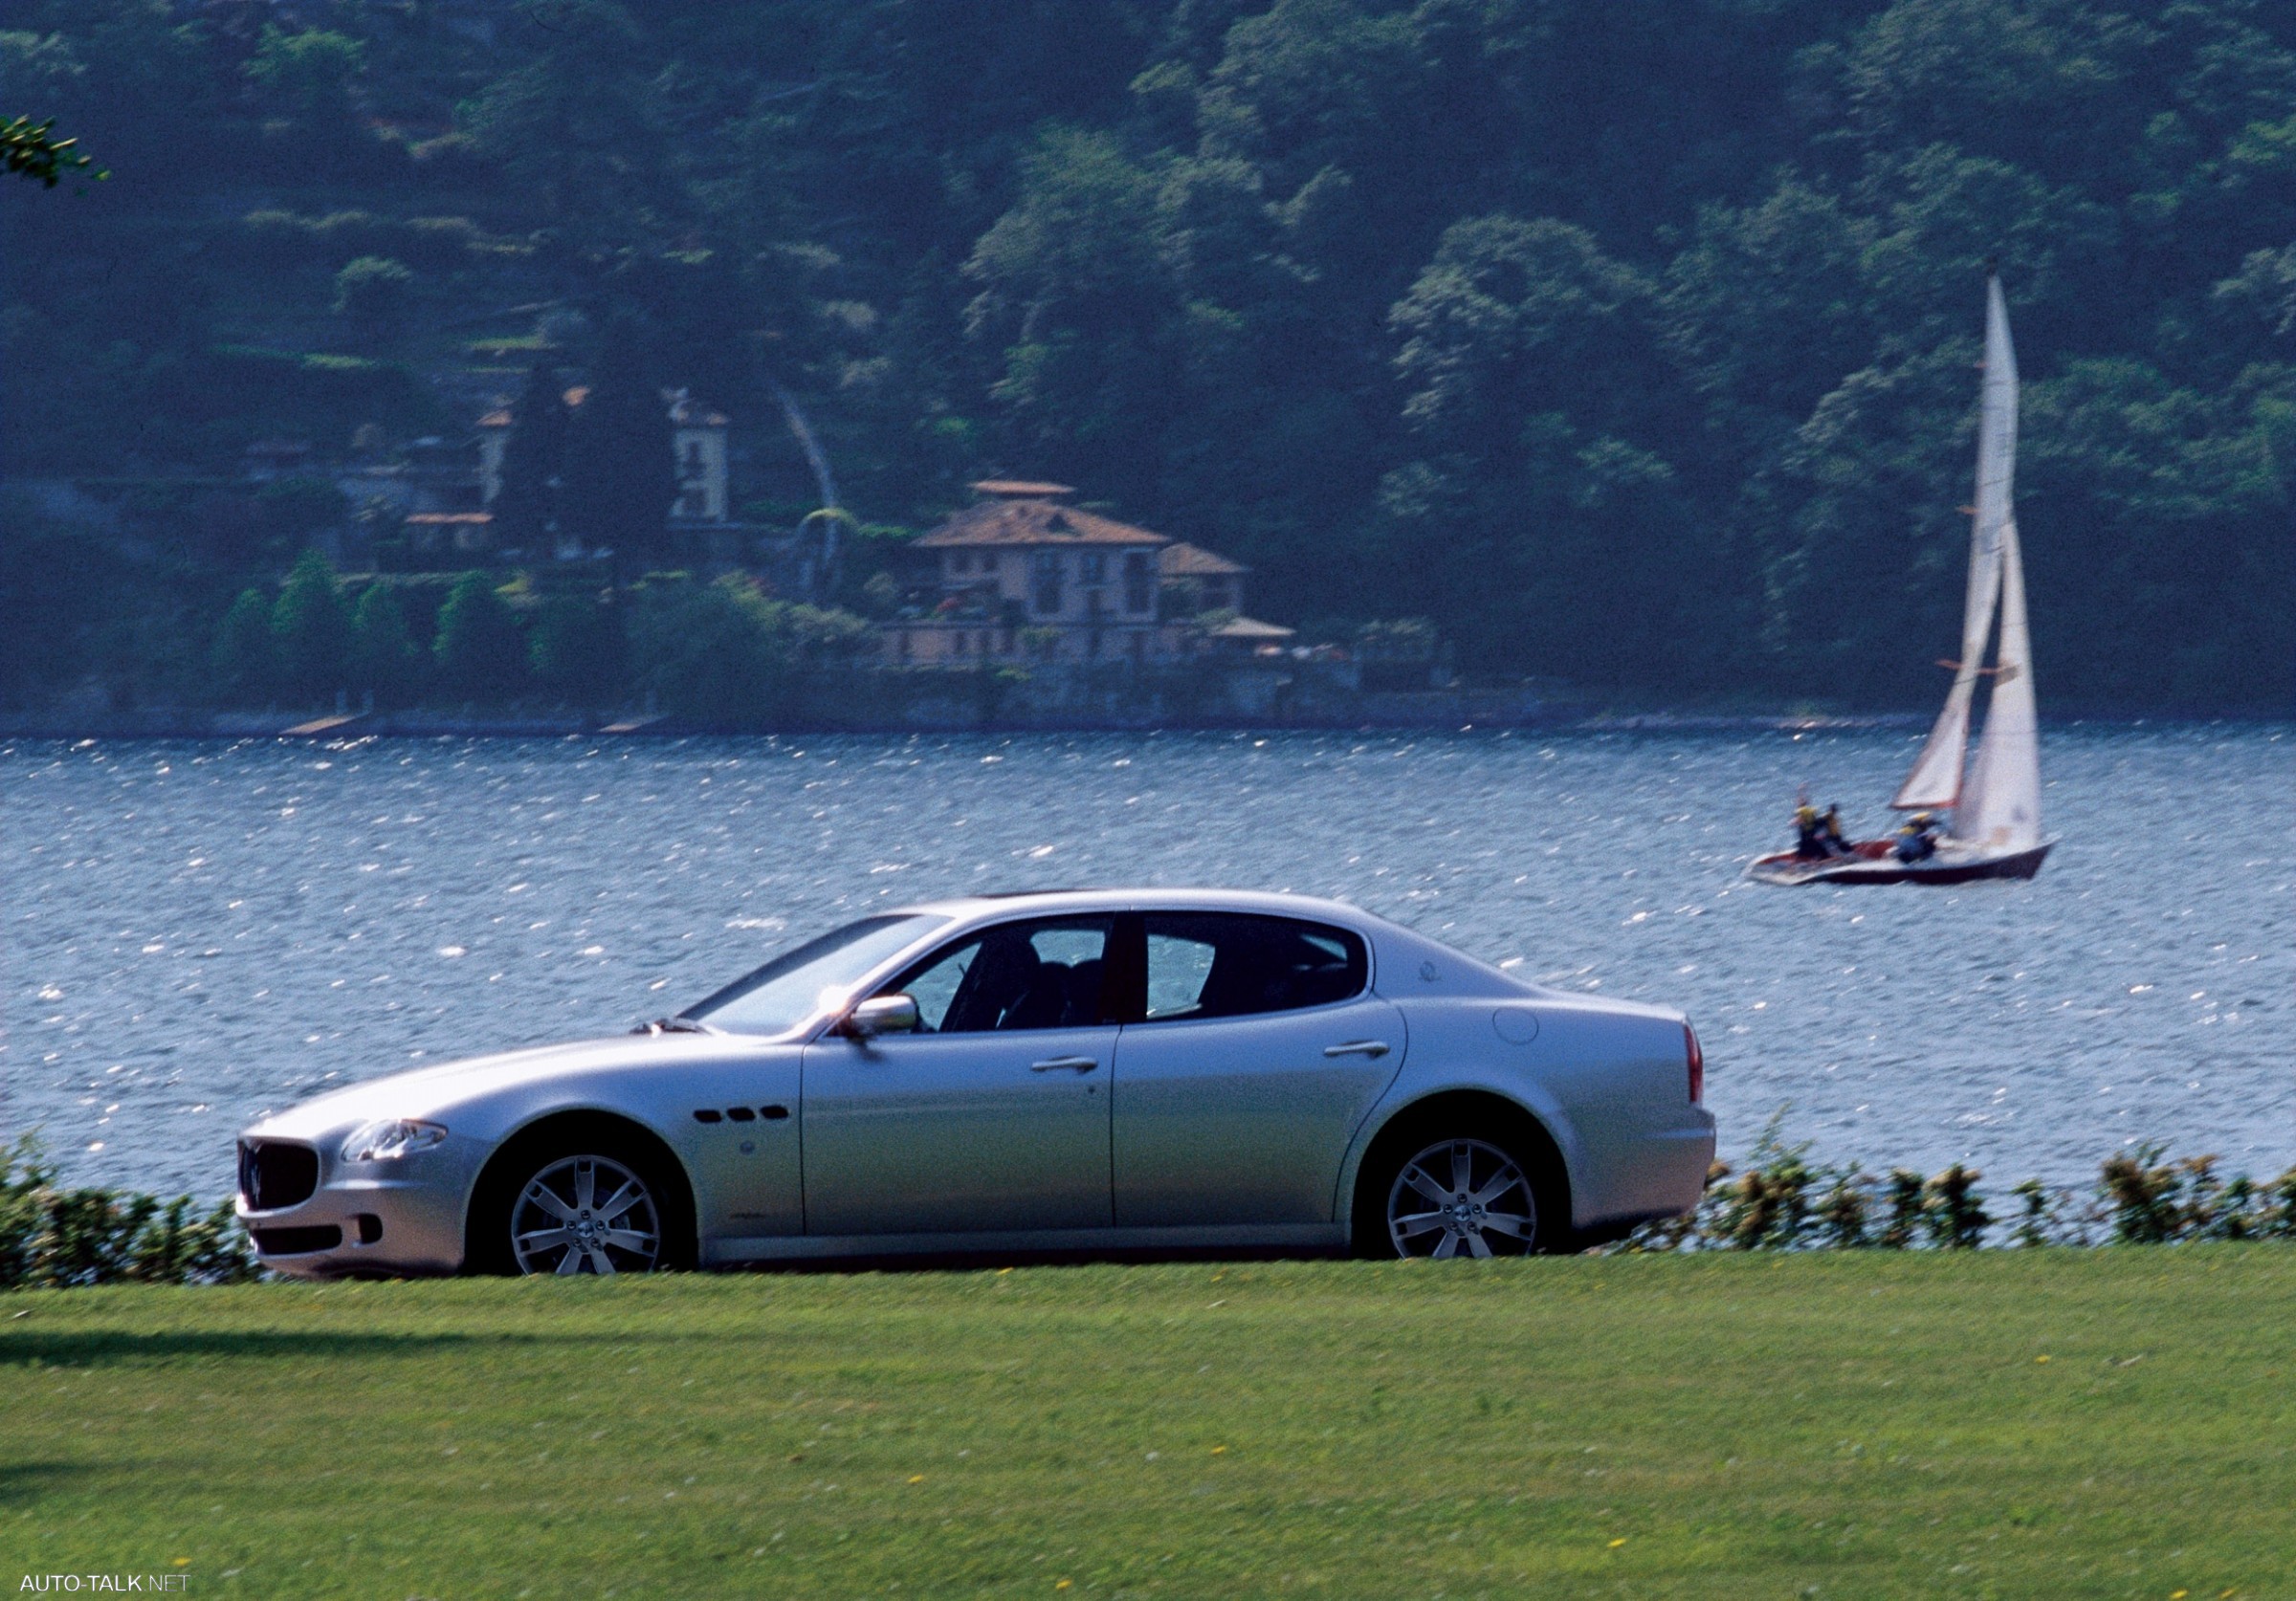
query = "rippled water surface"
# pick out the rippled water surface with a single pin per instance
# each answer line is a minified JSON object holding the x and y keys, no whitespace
{"x":191,"y":934}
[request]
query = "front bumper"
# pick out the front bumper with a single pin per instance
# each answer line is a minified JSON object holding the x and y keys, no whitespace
{"x":401,"y":1217}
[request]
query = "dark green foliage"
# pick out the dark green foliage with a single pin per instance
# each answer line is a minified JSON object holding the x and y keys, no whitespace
{"x":310,"y":72}
{"x":370,"y":292}
{"x":1903,"y":1222}
{"x":290,"y":509}
{"x":1630,"y":351}
{"x":246,"y":653}
{"x":311,"y":630}
{"x":724,"y":655}
{"x":1951,"y":1212}
{"x":575,"y":648}
{"x":57,"y":1239}
{"x":32,"y":151}
{"x":480,"y":653}
{"x":384,"y":660}
{"x":621,"y":473}
{"x":534,"y":467}
{"x":2139,"y":1200}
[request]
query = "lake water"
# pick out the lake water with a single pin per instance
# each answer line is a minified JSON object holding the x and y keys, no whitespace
{"x":192,"y":934}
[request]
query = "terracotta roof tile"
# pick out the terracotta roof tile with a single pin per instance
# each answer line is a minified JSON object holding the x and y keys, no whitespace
{"x":1022,"y":486}
{"x":433,"y":517}
{"x":1033,"y":522}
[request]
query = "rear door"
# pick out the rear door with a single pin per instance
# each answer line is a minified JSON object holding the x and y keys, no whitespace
{"x":993,"y":1116}
{"x":1259,"y":1051}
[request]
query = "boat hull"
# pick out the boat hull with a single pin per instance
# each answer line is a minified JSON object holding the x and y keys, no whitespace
{"x":1868,"y":866}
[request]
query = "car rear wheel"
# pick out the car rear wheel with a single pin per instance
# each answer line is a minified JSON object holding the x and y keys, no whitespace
{"x":1460,"y":1197}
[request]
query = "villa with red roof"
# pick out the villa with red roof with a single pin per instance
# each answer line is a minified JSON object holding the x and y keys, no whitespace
{"x":1022,"y":574}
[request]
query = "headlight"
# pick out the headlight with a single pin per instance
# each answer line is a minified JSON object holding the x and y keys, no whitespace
{"x":389,"y":1139}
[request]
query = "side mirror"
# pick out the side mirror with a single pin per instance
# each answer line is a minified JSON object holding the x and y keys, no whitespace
{"x":881,"y":1014}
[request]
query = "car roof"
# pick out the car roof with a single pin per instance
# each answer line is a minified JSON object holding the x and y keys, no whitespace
{"x":1052,"y":902}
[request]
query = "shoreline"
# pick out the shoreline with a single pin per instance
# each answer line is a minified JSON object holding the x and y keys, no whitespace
{"x":1457,"y":713}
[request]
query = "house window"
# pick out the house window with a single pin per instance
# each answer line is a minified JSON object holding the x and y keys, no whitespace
{"x":1044,"y":584}
{"x":1095,"y":566}
{"x":1139,"y":582}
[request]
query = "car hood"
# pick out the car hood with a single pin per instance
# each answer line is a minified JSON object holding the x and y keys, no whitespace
{"x":436,"y":1092}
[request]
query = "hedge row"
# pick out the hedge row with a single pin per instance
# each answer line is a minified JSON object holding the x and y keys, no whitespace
{"x":1780,"y":1203}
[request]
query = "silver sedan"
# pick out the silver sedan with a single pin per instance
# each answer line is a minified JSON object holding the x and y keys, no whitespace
{"x":1112,"y":1071}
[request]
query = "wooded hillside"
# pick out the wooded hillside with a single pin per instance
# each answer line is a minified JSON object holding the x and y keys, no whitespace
{"x":1632,"y":343}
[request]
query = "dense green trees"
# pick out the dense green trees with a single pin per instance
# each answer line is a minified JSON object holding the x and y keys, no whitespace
{"x":620,"y":472}
{"x":1630,"y":343}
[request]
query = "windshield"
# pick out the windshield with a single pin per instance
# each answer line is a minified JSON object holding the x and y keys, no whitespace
{"x":792,"y":987}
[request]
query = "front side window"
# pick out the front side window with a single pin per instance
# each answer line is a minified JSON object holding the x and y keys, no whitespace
{"x":1043,"y":974}
{"x":1224,"y":964}
{"x":817,"y":975}
{"x":1139,"y":582}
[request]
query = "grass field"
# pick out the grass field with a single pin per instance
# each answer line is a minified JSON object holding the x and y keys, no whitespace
{"x":2049,"y":1423}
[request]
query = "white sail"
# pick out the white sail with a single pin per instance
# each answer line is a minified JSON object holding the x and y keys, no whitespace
{"x":2001,"y":804}
{"x":1935,"y":782}
{"x":1935,"y":779}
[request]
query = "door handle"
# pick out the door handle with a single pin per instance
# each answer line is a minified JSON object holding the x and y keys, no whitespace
{"x":1358,"y":1047}
{"x":1080,"y":1064}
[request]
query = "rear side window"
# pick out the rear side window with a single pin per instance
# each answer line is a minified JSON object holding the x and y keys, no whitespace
{"x":1227,"y":964}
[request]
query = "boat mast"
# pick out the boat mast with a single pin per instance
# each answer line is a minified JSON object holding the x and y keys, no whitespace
{"x":1934,"y":781}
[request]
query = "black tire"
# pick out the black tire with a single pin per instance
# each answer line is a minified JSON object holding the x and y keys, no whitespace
{"x":1513,"y":1200}
{"x":558,"y":1166}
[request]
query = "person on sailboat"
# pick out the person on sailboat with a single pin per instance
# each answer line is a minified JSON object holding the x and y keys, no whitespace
{"x":1917,"y":840}
{"x":1809,"y":833}
{"x":1830,"y":835}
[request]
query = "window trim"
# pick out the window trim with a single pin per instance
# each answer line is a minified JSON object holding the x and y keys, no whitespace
{"x":1136,"y":968}
{"x":908,"y":972}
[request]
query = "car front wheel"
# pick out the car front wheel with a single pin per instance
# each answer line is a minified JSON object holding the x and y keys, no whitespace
{"x":580,"y":1195}
{"x":586,"y":1214}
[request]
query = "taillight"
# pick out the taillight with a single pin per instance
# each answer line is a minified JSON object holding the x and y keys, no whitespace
{"x":1697,"y":1063}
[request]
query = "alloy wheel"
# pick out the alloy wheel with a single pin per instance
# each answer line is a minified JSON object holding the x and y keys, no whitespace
{"x":586,"y":1215}
{"x":1461,"y":1197}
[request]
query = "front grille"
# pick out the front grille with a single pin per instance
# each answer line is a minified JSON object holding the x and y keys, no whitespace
{"x":275,"y":1175}
{"x":297,"y":1242}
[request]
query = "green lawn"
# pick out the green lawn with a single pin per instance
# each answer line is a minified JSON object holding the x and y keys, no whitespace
{"x":2054,"y":1423}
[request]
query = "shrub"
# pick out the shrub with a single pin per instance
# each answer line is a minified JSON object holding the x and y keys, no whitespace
{"x":1950,"y":1209}
{"x":57,"y":1239}
{"x":2139,"y":1199}
{"x":575,"y":648}
{"x":311,"y":630}
{"x":385,"y":661}
{"x":371,"y":291}
{"x":480,"y":653}
{"x":712,"y":652}
{"x":244,"y":658}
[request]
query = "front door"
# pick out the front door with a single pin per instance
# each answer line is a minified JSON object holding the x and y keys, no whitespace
{"x":993,"y":1115}
{"x":1259,"y":1053}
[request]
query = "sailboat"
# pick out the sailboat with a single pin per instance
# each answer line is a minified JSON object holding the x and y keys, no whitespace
{"x":1995,"y":803}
